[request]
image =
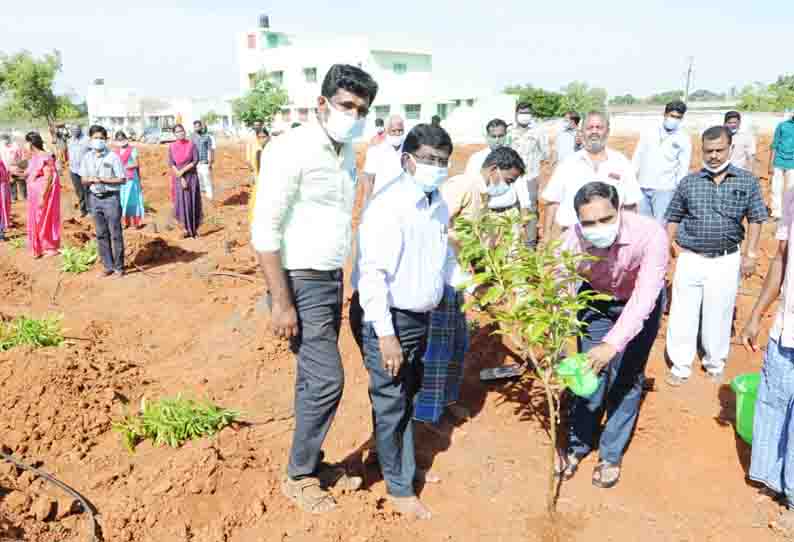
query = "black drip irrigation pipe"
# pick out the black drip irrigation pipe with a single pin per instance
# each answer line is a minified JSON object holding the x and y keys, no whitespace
{"x":83,"y":502}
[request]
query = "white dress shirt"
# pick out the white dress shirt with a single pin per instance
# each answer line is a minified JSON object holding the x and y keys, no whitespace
{"x":383,"y":161}
{"x":744,"y":148}
{"x":404,"y":258}
{"x":578,"y":170}
{"x":304,"y":200}
{"x":662,"y":158}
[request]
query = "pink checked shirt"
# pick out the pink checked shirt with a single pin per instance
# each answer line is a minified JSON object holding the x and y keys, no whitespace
{"x":784,"y":322}
{"x":631,"y":270}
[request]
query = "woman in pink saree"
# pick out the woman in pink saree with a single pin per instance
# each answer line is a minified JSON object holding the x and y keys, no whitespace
{"x":44,"y":200}
{"x":183,"y":158}
{"x":5,"y":200}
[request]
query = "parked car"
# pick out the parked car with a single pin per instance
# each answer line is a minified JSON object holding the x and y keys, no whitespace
{"x":151,"y":136}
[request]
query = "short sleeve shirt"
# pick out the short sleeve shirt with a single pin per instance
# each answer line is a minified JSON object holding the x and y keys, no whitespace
{"x":578,"y":170}
{"x":104,"y":166}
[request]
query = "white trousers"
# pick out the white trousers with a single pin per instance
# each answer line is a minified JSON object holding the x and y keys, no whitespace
{"x":779,"y":187}
{"x":710,"y":284}
{"x":205,"y":179}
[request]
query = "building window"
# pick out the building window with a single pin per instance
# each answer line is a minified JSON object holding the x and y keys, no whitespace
{"x":470,"y":102}
{"x":382,"y":111}
{"x":252,"y":41}
{"x":413,"y":111}
{"x":400,"y":68}
{"x":272,"y":40}
{"x":311,"y":74}
{"x":442,"y":110}
{"x":277,"y":77}
{"x":286,"y":115}
{"x":303,"y":114}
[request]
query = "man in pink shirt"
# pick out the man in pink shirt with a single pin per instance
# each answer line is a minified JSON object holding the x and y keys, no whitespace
{"x":12,"y":156}
{"x":633,"y":253}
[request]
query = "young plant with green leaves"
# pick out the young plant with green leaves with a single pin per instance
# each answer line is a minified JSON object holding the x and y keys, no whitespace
{"x":79,"y":259}
{"x":532,"y":296}
{"x":33,"y":332}
{"x":173,"y":421}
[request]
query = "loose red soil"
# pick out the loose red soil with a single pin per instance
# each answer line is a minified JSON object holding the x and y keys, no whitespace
{"x":173,"y":326}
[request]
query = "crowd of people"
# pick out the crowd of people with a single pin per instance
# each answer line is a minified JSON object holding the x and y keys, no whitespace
{"x":633,"y":215}
{"x":106,"y":178}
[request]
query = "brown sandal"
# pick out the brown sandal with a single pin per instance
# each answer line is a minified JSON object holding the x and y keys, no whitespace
{"x":308,"y":495}
{"x":568,"y":467}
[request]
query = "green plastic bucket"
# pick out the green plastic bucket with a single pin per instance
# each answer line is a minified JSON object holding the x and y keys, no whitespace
{"x":576,"y":376}
{"x":746,"y":388}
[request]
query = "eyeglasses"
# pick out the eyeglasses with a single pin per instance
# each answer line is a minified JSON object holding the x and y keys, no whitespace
{"x":432,"y":160}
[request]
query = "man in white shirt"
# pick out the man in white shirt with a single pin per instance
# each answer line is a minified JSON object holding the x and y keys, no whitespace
{"x":744,"y":147}
{"x":404,"y":261}
{"x":595,"y":162}
{"x":382,"y":163}
{"x":530,"y":141}
{"x":496,"y":136}
{"x":661,"y":160}
{"x":302,"y":235}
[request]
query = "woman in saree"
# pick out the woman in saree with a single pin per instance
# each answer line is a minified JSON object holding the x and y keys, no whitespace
{"x":44,"y":199}
{"x":132,"y":208}
{"x":183,"y":158}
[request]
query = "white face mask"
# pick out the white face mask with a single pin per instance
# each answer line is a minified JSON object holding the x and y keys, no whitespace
{"x":602,"y":235}
{"x":719,"y":169}
{"x":524,"y":119}
{"x":395,"y":140}
{"x":429,"y":178}
{"x":342,"y":127}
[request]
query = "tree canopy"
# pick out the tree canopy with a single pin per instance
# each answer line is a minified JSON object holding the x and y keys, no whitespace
{"x":262,"y":102}
{"x":777,"y":96}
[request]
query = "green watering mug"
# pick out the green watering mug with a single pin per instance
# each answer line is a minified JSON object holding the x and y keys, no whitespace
{"x":576,"y":376}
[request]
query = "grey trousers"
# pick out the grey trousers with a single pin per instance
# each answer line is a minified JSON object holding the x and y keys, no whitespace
{"x":320,"y":377}
{"x":109,"y":234}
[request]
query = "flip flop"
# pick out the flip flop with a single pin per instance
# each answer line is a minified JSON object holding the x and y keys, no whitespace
{"x":568,"y":468}
{"x":598,"y":475}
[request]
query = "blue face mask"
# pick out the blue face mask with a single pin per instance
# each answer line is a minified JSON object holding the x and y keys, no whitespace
{"x":671,"y":124}
{"x":98,"y":145}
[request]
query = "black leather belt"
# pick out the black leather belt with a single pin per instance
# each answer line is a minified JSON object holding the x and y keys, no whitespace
{"x":106,"y":194}
{"x":719,"y":254}
{"x":313,"y":274}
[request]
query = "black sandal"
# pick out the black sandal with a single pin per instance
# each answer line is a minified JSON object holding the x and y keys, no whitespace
{"x":598,"y":475}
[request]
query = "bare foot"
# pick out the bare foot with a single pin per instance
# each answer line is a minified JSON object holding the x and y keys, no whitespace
{"x":411,"y":507}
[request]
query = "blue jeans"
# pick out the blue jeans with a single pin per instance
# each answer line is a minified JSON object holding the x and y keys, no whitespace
{"x":392,"y":399}
{"x":109,"y":235}
{"x":619,"y":391}
{"x":320,"y":377}
{"x":654,"y":203}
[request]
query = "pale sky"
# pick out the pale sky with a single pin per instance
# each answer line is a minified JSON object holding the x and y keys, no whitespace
{"x":188,"y":48}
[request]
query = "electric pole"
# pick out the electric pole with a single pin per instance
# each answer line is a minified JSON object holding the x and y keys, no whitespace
{"x":688,"y":79}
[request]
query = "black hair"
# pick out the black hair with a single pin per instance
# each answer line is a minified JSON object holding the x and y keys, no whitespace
{"x":575,"y":117}
{"x":34,"y":138}
{"x":716,"y":132}
{"x":596,"y":189}
{"x":351,"y":79}
{"x":733,"y":115}
{"x":495,"y":123}
{"x":523,"y":105}
{"x":505,"y":158}
{"x":295,"y":124}
{"x":262,"y":130}
{"x":178,"y":126}
{"x":97,"y":129}
{"x":379,"y":122}
{"x":427,"y":134}
{"x":435,"y":119}
{"x":120,"y":135}
{"x":676,"y":105}
{"x":197,"y":122}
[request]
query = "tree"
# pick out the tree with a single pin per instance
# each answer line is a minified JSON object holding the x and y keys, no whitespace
{"x":756,"y":97}
{"x":783,"y":90}
{"x":703,"y":95}
{"x":26,"y":85}
{"x":664,"y":98}
{"x":626,"y":99}
{"x":210,"y":117}
{"x":578,"y":96}
{"x":544,"y":104}
{"x":532,"y":296}
{"x":262,"y":102}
